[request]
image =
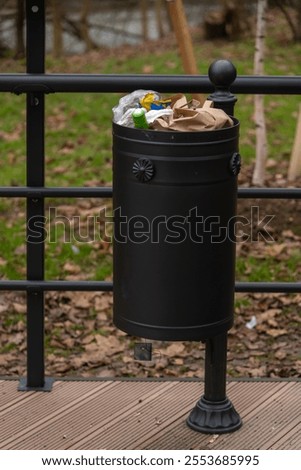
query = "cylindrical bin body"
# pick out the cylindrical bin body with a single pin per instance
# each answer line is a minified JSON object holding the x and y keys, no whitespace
{"x":174,"y":200}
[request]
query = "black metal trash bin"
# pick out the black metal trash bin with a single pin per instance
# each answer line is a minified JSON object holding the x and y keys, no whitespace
{"x":174,"y":252}
{"x":174,"y":200}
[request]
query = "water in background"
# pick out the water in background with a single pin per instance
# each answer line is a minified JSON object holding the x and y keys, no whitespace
{"x":113,"y":22}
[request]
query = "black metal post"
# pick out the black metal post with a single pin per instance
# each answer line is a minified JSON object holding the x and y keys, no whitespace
{"x":214,"y":412}
{"x":215,"y":368}
{"x":35,"y":50}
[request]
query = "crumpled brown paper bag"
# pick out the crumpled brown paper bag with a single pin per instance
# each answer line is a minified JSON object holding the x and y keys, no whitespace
{"x":191,"y":117}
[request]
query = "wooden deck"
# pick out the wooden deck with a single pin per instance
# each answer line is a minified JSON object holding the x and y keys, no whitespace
{"x":149,"y":414}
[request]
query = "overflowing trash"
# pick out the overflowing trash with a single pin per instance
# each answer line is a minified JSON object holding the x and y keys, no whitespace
{"x":147,"y":109}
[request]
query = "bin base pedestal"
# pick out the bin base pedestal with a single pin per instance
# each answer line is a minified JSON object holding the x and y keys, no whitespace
{"x":214,"y":417}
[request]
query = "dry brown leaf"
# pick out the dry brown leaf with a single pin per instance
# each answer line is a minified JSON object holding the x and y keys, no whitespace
{"x":20,"y":250}
{"x":259,"y":372}
{"x":12,"y":136}
{"x":275,"y":333}
{"x":18,"y":338}
{"x":6,"y":359}
{"x":275,"y":249}
{"x":280,"y":355}
{"x":106,"y":373}
{"x":268,"y":314}
{"x":102,"y":303}
{"x":91,"y":347}
{"x":273,"y":323}
{"x":69,"y":342}
{"x":175,"y":349}
{"x":161,"y":364}
{"x":289,"y":234}
{"x":71,"y":268}
{"x":93,"y":357}
{"x":77,"y":362}
{"x":61,"y":367}
{"x":189,"y":374}
{"x":148,"y":69}
{"x":101,"y":317}
{"x":83,"y":302}
{"x":178,"y":361}
{"x":19,"y":308}
{"x":88,"y":339}
{"x":127,"y":359}
{"x":109,"y":345}
{"x":213,"y":438}
{"x":3,"y":262}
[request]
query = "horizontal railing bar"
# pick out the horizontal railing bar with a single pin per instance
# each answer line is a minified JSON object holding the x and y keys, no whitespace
{"x":23,"y":191}
{"x":268,"y":287}
{"x":269,"y":193}
{"x":107,"y":192}
{"x":272,"y":287}
{"x":56,"y":286}
{"x":50,"y":83}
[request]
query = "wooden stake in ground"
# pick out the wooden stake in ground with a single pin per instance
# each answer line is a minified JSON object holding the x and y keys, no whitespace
{"x":181,"y":29}
{"x":84,"y":27}
{"x":57,"y":19}
{"x":295,"y":161}
{"x":159,"y":18}
{"x":261,"y":137}
{"x":144,"y":19}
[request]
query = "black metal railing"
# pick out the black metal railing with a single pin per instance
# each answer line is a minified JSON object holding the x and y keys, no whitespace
{"x":36,"y":85}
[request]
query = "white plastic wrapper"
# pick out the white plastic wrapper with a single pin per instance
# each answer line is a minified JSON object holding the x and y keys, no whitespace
{"x":153,"y":114}
{"x":127,"y":104}
{"x":126,"y":119}
{"x":252,"y":323}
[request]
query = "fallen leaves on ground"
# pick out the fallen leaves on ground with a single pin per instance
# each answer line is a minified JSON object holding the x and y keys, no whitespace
{"x":81,"y":340}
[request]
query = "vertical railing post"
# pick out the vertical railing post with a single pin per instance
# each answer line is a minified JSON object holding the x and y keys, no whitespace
{"x":35,"y":117}
{"x":214,"y":412}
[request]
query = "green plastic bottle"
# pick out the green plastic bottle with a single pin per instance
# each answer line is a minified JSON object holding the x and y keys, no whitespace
{"x":139,"y":118}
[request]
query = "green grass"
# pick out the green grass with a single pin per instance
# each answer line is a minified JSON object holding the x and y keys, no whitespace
{"x":255,"y":270}
{"x":78,"y":146}
{"x":269,"y":269}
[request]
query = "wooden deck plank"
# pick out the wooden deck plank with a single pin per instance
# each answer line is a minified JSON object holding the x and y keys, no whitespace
{"x":116,"y":414}
{"x":9,"y":394}
{"x":262,"y":405}
{"x":266,"y":423}
{"x":23,"y":418}
{"x":148,"y":418}
{"x":179,"y":436}
{"x":79,"y":423}
{"x":291,"y":440}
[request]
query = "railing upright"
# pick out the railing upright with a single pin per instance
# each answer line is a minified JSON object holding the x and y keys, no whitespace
{"x":35,"y":176}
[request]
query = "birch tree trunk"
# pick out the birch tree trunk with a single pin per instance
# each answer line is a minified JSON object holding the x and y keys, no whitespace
{"x":295,"y":161}
{"x":261,"y":137}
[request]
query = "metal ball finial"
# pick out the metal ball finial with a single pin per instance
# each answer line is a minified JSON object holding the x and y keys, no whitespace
{"x":222,"y":73}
